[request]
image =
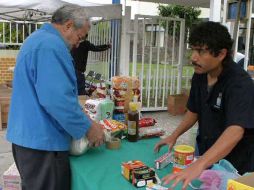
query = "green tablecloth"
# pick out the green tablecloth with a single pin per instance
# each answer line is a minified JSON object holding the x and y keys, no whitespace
{"x":100,"y":168}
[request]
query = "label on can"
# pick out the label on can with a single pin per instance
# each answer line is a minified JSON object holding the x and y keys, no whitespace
{"x":177,"y":168}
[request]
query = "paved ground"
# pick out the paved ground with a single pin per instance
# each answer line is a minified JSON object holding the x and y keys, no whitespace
{"x":6,"y":158}
{"x":163,"y":118}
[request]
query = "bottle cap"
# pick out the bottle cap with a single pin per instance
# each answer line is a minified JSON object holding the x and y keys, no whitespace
{"x":133,"y":106}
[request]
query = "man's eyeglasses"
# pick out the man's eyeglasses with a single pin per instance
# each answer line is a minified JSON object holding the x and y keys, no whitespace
{"x":200,"y":51}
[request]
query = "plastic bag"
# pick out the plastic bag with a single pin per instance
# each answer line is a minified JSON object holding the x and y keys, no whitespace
{"x":217,"y":177}
{"x":79,"y":147}
{"x":146,"y":132}
{"x":146,"y":122}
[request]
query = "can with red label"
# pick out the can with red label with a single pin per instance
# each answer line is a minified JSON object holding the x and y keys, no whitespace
{"x":183,"y":155}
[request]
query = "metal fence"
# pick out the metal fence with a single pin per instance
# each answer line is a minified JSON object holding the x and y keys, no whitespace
{"x":14,"y":33}
{"x":161,"y":59}
{"x":106,"y":62}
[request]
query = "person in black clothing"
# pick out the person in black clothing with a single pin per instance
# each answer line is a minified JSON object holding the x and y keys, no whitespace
{"x":222,"y":101}
{"x":80,"y":55}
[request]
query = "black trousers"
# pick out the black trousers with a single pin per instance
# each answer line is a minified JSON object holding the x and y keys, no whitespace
{"x":42,"y":170}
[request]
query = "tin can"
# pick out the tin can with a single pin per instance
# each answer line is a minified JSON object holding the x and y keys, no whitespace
{"x":177,"y":168}
{"x":183,"y":155}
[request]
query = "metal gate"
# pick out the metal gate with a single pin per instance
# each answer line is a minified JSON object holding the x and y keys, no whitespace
{"x":105,"y":62}
{"x":158,"y":45}
{"x":13,"y":34}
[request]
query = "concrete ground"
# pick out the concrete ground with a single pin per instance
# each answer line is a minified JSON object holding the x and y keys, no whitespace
{"x":164,"y":120}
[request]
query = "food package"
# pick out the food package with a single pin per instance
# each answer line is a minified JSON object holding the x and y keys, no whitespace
{"x":119,"y":117}
{"x":101,"y":90}
{"x":106,"y":109}
{"x":146,"y":122}
{"x":125,"y":82}
{"x":119,"y":94}
{"x":138,"y":173}
{"x":152,"y":186}
{"x":163,"y":161}
{"x":79,"y":146}
{"x":92,"y":108}
{"x":146,"y":132}
{"x":99,"y":109}
{"x":124,"y":88}
{"x":113,"y":125}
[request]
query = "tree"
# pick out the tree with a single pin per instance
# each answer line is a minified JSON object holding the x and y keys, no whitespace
{"x":190,"y":14}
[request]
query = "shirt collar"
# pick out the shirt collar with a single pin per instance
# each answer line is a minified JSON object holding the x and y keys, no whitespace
{"x":50,"y":28}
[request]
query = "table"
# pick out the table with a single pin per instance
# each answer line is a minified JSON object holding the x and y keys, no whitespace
{"x":100,"y":168}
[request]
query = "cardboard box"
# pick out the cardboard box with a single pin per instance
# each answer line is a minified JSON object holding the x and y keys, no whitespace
{"x":137,"y":173}
{"x":5,"y":104}
{"x":242,"y":183}
{"x":11,"y":178}
{"x":177,"y":104}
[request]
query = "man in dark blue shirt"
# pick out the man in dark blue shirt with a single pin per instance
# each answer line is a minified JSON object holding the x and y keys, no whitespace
{"x":221,"y":100}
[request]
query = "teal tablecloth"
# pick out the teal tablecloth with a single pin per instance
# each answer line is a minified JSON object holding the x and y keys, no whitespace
{"x":100,"y":168}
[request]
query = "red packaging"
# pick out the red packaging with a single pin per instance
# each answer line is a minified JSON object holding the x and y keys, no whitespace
{"x":146,"y":122}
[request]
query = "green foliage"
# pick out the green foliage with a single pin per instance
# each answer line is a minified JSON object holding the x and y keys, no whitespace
{"x":6,"y":26}
{"x":190,"y":14}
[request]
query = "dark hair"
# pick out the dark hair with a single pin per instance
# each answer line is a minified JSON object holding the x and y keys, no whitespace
{"x":213,"y":35}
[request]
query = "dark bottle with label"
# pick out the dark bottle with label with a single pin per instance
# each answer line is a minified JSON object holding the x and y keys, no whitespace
{"x":133,"y":118}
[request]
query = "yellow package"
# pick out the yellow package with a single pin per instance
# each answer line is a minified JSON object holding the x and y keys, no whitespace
{"x":242,"y":183}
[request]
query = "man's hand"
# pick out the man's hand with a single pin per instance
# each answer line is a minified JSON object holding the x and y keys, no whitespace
{"x":95,"y":135}
{"x":222,"y":147}
{"x":170,"y":141}
{"x":185,"y":176}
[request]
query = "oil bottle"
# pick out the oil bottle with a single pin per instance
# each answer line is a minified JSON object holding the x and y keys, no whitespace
{"x":133,"y":118}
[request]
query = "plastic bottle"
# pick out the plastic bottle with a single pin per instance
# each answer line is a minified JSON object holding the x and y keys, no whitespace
{"x":138,"y":104}
{"x":107,"y":107}
{"x":133,"y":118}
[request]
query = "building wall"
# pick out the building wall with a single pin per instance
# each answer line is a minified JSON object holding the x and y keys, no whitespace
{"x":7,"y":60}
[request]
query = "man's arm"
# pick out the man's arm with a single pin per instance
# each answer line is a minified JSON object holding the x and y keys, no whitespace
{"x":188,"y":121}
{"x":55,"y":89}
{"x":222,"y":147}
{"x":98,"y":48}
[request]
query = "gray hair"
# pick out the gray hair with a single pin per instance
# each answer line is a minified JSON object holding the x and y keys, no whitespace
{"x":70,"y":12}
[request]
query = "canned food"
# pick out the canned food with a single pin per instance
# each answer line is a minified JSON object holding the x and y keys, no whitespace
{"x":177,"y":168}
{"x":183,"y":154}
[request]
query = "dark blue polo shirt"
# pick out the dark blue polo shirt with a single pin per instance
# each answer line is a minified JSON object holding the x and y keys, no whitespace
{"x":229,"y":102}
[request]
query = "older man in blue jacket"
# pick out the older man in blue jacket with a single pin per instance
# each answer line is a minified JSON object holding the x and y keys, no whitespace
{"x":45,"y":113}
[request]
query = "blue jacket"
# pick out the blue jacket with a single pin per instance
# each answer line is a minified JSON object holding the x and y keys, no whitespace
{"x":44,"y":111}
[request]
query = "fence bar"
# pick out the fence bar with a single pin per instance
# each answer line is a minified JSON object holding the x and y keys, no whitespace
{"x":165,"y":63}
